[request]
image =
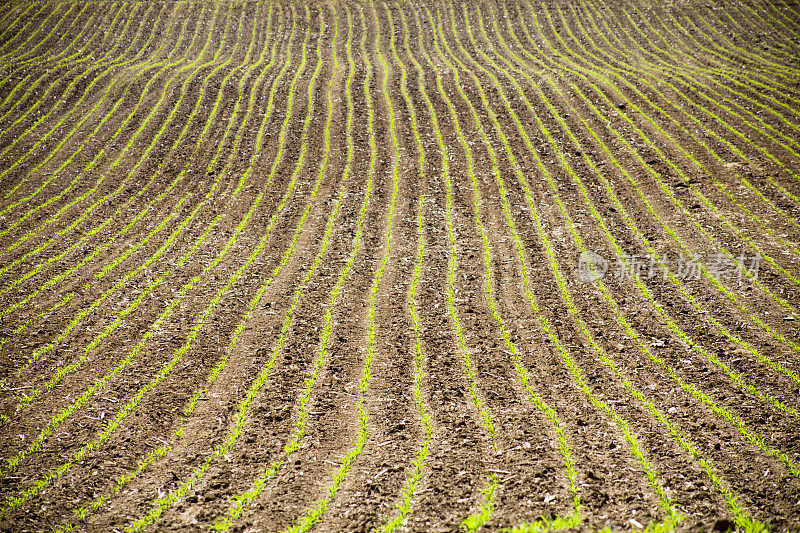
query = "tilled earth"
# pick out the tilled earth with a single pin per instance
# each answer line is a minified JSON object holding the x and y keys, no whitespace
{"x":399,"y":266}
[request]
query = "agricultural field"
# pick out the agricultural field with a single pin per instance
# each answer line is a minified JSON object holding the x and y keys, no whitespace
{"x":504,"y":265}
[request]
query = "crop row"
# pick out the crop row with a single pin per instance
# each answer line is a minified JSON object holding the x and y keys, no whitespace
{"x":574,"y":136}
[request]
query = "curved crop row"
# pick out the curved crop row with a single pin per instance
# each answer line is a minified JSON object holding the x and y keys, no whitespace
{"x":691,"y":389}
{"x":163,"y":503}
{"x":722,"y":52}
{"x":41,"y":118}
{"x":770,"y":62}
{"x":270,"y":286}
{"x":70,"y":62}
{"x":120,"y":482}
{"x":239,"y":502}
{"x":760,"y":57}
{"x":28,"y":322}
{"x":577,"y":375}
{"x":417,"y":470}
{"x":719,"y":65}
{"x":680,"y":438}
{"x":194,"y":68}
{"x":230,"y":132}
{"x":482,"y":515}
{"x":719,"y":99}
{"x":131,"y":250}
{"x":46,"y":182}
{"x":36,"y":93}
{"x":98,"y":157}
{"x":89,"y":24}
{"x":85,"y":311}
{"x":19,"y":34}
{"x":729,"y":294}
{"x":119,"y":319}
{"x":69,"y":17}
{"x":615,"y":72}
{"x":9,"y":14}
{"x":315,"y":511}
{"x":403,"y":507}
{"x":55,"y":473}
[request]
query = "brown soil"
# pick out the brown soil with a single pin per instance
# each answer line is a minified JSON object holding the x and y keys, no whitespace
{"x":176,"y":348}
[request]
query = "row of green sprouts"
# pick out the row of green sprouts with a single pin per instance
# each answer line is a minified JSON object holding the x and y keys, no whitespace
{"x":559,"y":130}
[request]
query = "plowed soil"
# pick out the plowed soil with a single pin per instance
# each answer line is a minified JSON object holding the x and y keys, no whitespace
{"x":399,"y":266}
